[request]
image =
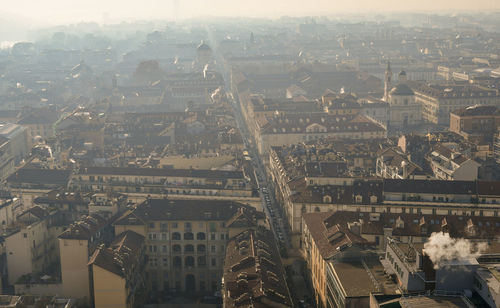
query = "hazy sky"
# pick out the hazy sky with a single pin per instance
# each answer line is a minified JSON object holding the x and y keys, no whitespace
{"x":68,"y":11}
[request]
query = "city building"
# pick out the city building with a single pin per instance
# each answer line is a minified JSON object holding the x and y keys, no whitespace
{"x":476,"y":122}
{"x":196,"y":182}
{"x":439,"y":100}
{"x":76,"y":246}
{"x":343,"y":268}
{"x":253,"y":272}
{"x":404,"y":110}
{"x":186,"y":239}
{"x":30,"y":243}
{"x":118,"y":272}
{"x":296,"y":128}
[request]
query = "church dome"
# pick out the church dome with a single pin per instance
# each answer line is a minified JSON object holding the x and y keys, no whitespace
{"x":402,"y":89}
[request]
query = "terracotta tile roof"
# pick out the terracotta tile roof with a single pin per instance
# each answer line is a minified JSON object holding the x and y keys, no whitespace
{"x":330,"y":238}
{"x":85,"y":228}
{"x":253,"y":273}
{"x":122,"y":254}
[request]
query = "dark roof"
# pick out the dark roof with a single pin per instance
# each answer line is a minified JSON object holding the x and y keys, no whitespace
{"x":402,"y":89}
{"x":330,"y":238}
{"x":253,"y":272}
{"x":439,"y":187}
{"x":477,"y":110}
{"x":405,"y":224}
{"x":122,"y":254}
{"x":40,"y":176}
{"x":167,"y":209}
{"x":195,"y":173}
{"x":39,"y":117}
{"x":84,"y":228}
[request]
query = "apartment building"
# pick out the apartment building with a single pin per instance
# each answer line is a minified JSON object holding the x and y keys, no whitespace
{"x":76,"y":245}
{"x":164,"y":181}
{"x":439,"y":100}
{"x":186,"y":239}
{"x":253,"y":272}
{"x":117,"y":272}
{"x":30,"y":243}
{"x":296,"y":128}
{"x":342,"y":266}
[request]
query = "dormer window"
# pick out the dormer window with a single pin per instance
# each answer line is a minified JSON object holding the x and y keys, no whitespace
{"x":327,"y":199}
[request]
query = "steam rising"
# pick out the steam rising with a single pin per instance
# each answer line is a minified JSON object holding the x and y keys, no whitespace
{"x":441,"y":248}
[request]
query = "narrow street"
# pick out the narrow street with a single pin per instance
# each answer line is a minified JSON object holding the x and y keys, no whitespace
{"x":266,"y":189}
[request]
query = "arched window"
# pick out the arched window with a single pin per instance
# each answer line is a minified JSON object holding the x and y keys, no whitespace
{"x":176,"y":236}
{"x":188,"y":236}
{"x":202,"y":261}
{"x":200,"y":236}
{"x":327,"y":199}
{"x":201,"y":248}
{"x":177,"y":262}
{"x":189,"y":261}
{"x":189,"y":248}
{"x":317,"y":209}
{"x":176,"y":248}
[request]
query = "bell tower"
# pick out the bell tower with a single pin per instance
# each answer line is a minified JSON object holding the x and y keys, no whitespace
{"x":387,"y":82}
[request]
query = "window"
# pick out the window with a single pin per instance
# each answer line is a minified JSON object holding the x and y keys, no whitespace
{"x":165,"y":263}
{"x":212,"y":248}
{"x":214,"y":262}
{"x":152,"y":236}
{"x":187,"y":225}
{"x":188,"y":236}
{"x":153,"y":248}
{"x":175,"y":225}
{"x":163,"y":236}
{"x":201,"y":248}
{"x":176,"y":236}
{"x":189,"y":248}
{"x":177,"y":262}
{"x":200,"y":236}
{"x":189,"y":261}
{"x":176,"y":248}
{"x":202,"y":261}
{"x":212,"y":236}
{"x":222,"y":236}
{"x":164,"y":248}
{"x":152,"y":225}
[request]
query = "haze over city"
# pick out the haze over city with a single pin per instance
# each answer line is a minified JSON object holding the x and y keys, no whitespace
{"x":52,"y":12}
{"x":250,"y":154}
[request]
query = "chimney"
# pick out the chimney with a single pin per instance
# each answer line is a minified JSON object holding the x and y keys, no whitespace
{"x":429,"y":272}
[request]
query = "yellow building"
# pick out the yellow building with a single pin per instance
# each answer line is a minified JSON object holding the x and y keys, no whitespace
{"x":31,"y":248}
{"x":76,"y":245}
{"x":117,"y":272}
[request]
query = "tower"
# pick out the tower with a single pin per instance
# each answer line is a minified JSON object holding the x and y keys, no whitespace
{"x":387,"y":83}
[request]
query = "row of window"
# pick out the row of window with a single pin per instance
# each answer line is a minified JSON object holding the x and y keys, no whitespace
{"x":187,"y":225}
{"x":189,"y":262}
{"x":187,"y":248}
{"x":176,"y":236}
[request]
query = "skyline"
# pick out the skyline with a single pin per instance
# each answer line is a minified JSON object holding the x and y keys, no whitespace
{"x":57,"y":12}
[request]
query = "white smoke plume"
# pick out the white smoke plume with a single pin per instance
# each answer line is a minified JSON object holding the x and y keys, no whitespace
{"x":441,"y":248}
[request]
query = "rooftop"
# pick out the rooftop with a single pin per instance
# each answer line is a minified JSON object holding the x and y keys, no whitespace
{"x":253,"y":271}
